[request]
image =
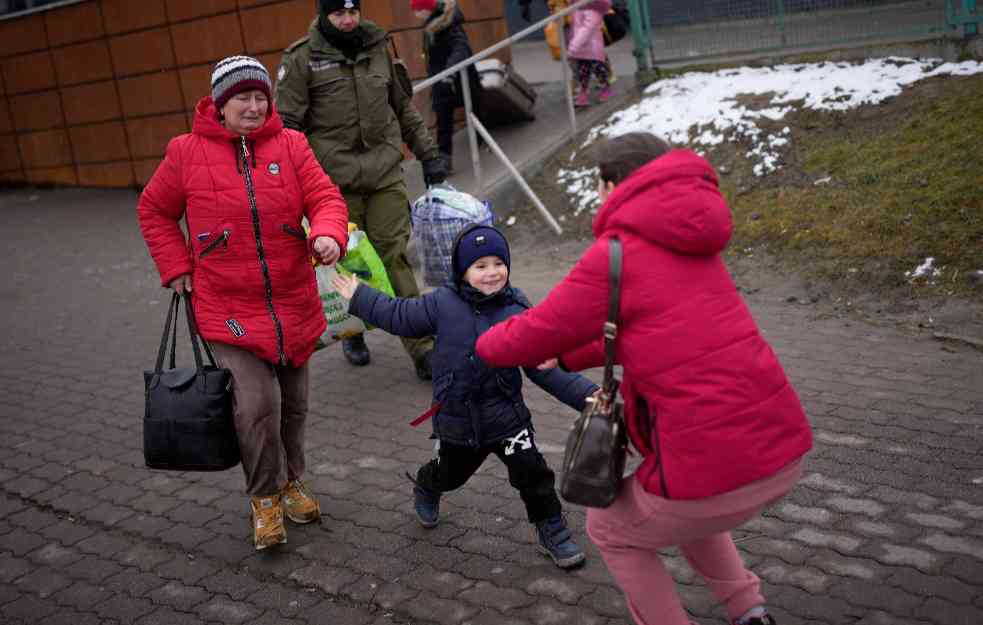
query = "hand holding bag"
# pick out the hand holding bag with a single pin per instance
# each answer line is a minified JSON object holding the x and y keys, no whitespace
{"x":594,"y":459}
{"x":188,"y":420}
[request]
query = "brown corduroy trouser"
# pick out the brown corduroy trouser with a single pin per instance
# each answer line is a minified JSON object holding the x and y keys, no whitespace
{"x":270,"y":414}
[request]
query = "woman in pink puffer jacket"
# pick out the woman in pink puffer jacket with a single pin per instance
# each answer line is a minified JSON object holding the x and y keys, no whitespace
{"x":586,"y":50}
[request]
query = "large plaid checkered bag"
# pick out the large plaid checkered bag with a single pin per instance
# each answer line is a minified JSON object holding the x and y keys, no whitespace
{"x":438,"y":217}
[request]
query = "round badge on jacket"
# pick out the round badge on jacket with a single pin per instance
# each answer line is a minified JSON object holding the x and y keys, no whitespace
{"x":274,"y":169}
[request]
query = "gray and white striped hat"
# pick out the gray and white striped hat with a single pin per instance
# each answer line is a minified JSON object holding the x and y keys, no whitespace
{"x":236,"y":74}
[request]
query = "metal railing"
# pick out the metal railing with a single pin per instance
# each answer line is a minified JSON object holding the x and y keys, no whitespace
{"x":474,"y":125}
{"x":681,"y":32}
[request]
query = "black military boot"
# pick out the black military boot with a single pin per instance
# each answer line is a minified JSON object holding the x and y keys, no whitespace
{"x":356,"y":351}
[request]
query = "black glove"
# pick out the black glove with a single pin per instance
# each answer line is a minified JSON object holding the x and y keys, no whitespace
{"x":434,"y":171}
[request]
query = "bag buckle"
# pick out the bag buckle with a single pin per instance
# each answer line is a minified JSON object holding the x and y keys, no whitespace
{"x":610,"y":330}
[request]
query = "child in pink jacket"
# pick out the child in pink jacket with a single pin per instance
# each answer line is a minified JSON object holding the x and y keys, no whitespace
{"x":586,"y":50}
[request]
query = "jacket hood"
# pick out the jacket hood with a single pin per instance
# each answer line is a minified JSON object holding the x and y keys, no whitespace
{"x":674,"y":202}
{"x":207,"y":123}
{"x":446,"y":15}
{"x":372,"y":34}
{"x":602,"y":6}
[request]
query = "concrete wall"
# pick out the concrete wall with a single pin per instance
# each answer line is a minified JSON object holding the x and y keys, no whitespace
{"x":90,"y":93}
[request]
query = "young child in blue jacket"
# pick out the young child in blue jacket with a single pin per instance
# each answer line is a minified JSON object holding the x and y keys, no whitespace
{"x":480,"y":409}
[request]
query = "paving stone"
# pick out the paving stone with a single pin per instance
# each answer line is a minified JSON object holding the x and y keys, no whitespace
{"x":107,"y":514}
{"x":8,"y":594}
{"x":103,"y":545}
{"x":143,"y":556}
{"x":185,"y":570}
{"x":178,"y":596}
{"x":444,"y":611}
{"x":67,"y":532}
{"x":82,"y":595}
{"x":494,"y":617}
{"x":167,"y":616}
{"x":891,"y":495}
{"x":808,"y":579}
{"x":333,"y":612}
{"x":934,"y":586}
{"x":546,"y":612}
{"x":395,"y":596}
{"x":836,"y":542}
{"x":954,"y":544}
{"x":878,"y":617}
{"x":445,"y":584}
{"x":10,"y":505}
{"x":187,"y":538}
{"x":154,"y":503}
{"x":804,"y":514}
{"x":876,"y":596}
{"x":605,"y":601}
{"x":964,"y":509}
{"x":55,"y":556}
{"x":43,"y":582}
{"x":385,"y":567}
{"x":71,"y":617}
{"x":840,"y":566}
{"x":146,"y":525}
{"x":487,"y":595}
{"x":229,"y":550}
{"x":938,"y":521}
{"x":287,"y":601}
{"x":92,"y":569}
{"x":133,"y":583}
{"x":236,"y":585}
{"x":12,"y":568}
{"x":328,"y":578}
{"x":124,"y":609}
{"x":225,"y":610}
{"x":909,"y":556}
{"x":20,"y":542}
{"x":853,"y":505}
{"x":28,"y":609}
{"x":874,"y":528}
{"x":192,"y":514}
{"x":272,"y":617}
{"x":32,"y":519}
{"x":945,"y":613}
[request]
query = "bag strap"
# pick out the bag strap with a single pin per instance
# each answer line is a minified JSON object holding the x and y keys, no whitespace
{"x":614,"y":298}
{"x":193,"y":332}
{"x":168,"y":330}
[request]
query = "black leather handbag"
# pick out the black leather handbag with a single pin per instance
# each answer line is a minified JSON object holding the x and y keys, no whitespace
{"x":594,"y":459}
{"x":188,"y":420}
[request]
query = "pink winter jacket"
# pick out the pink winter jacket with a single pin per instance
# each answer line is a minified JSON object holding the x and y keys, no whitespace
{"x":586,"y":37}
{"x":706,"y":400}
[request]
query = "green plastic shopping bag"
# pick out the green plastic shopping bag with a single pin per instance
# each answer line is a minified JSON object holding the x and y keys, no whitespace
{"x":361,"y":260}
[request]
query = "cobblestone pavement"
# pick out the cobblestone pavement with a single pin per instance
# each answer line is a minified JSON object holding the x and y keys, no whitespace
{"x":885,"y":528}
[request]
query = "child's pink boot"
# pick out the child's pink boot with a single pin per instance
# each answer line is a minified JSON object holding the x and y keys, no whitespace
{"x":605,"y":95}
{"x":582,"y":99}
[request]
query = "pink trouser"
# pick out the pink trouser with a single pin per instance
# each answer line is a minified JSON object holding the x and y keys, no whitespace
{"x":638,"y":523}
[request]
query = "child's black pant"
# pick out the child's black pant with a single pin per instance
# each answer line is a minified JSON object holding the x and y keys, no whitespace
{"x":528,"y":472}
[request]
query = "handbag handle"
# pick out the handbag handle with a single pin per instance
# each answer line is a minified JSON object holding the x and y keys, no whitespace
{"x":170,"y":331}
{"x":611,"y":326}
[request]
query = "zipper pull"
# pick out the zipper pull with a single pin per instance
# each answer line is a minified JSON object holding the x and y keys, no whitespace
{"x":245,"y":148}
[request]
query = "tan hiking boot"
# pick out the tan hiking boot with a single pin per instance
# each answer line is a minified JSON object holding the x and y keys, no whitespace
{"x":299,"y":503}
{"x":268,"y":527}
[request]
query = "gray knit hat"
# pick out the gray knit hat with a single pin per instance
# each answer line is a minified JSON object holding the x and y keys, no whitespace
{"x":236,"y":74}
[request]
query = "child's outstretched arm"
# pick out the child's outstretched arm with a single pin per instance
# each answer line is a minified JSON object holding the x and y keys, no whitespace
{"x":572,"y":389}
{"x":412,"y":317}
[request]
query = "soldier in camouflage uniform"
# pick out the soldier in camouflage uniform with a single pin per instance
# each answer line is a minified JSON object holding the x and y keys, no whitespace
{"x":340,"y":86}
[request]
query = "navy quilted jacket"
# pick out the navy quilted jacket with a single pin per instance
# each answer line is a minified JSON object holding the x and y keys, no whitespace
{"x":480,"y":405}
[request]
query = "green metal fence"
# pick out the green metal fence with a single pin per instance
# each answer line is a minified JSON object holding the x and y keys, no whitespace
{"x":669,"y":32}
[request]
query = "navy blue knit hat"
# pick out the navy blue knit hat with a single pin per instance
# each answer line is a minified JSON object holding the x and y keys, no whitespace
{"x":476,"y":241}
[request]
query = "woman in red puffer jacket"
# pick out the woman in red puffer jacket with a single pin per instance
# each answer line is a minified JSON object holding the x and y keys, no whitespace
{"x":243,"y":184}
{"x":707,"y":404}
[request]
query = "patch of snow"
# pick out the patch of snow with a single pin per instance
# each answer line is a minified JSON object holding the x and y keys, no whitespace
{"x":926,"y":269}
{"x":825,"y":180}
{"x":510,"y":221}
{"x":705,"y":109}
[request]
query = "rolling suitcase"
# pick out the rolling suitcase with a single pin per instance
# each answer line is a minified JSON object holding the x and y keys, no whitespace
{"x":506,"y":97}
